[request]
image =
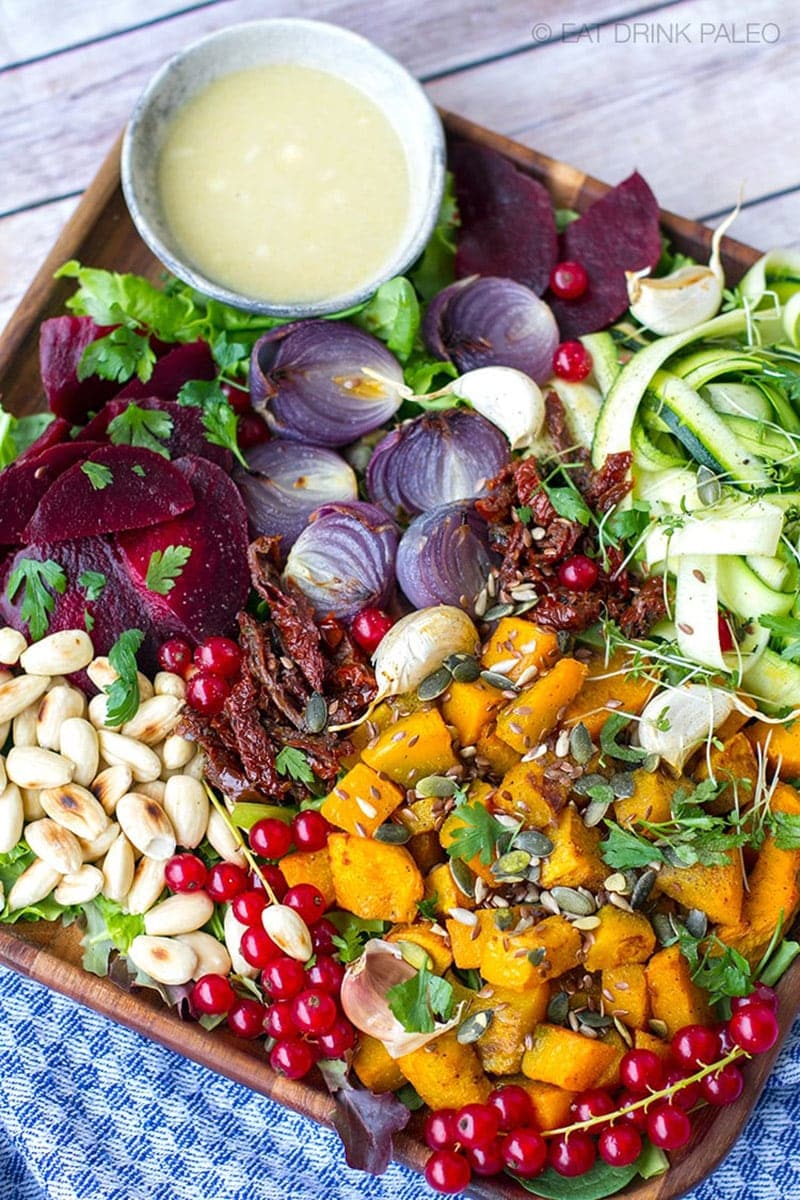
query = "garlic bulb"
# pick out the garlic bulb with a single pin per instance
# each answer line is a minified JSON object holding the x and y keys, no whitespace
{"x":418,"y":644}
{"x":365,"y":986}
{"x":685,"y":298}
{"x":508,"y":398}
{"x":678,"y":720}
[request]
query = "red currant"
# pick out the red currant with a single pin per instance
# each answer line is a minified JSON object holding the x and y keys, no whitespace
{"x":246,"y":1018}
{"x":761,"y":993}
{"x":620,"y":1145}
{"x":723,"y":1086}
{"x":237,"y":397}
{"x":274,"y":877}
{"x":439,"y":1130}
{"x":323,"y":932}
{"x":338,"y":1039}
{"x":514,"y":1106}
{"x":310,"y":830}
{"x":578,"y":573}
{"x":212,"y":995}
{"x":307,"y":901}
{"x":568,"y":280}
{"x":278,"y":1022}
{"x":488,"y":1159}
{"x":257,"y":947}
{"x":369,"y":628}
{"x":695,"y":1046}
{"x":326,"y":974}
{"x":283,"y":978}
{"x":175,"y":655}
{"x":572,"y":362}
{"x":270,"y":837}
{"x":668,"y":1128}
{"x":477,"y":1124}
{"x":642,"y":1071}
{"x":314,"y":1011}
{"x":447,"y":1171}
{"x":525,"y":1152}
{"x":251,"y":430}
{"x":220,"y":656}
{"x":685,"y":1097}
{"x":293,"y":1058}
{"x":248,"y":907}
{"x":596,"y":1102}
{"x":754,"y":1028}
{"x":226,"y":880}
{"x":185,"y":873}
{"x":207,"y":693}
{"x":572,"y":1154}
{"x":636,"y":1116}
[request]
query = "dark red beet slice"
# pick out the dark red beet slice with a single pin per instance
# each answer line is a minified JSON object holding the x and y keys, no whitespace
{"x":62,"y":341}
{"x":192,"y":360}
{"x":507,"y":223}
{"x":25,"y":482}
{"x":214,"y":583}
{"x":140,"y":488}
{"x":618,"y":233}
{"x":188,"y":435}
{"x":57,"y":431}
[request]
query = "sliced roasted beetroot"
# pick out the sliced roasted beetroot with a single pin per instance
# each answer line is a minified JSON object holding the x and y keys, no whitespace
{"x":62,"y":341}
{"x":507,"y":223}
{"x":618,"y":233}
{"x":213,"y":584}
{"x":188,"y":435}
{"x":25,"y":482}
{"x":57,"y":431}
{"x":192,"y":360}
{"x":117,"y":487}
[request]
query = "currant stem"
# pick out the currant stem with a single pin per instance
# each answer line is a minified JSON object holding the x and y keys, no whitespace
{"x":646,"y":1101}
{"x":251,"y":862}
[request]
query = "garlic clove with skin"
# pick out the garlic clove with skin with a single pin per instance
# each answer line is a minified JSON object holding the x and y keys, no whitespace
{"x":677,"y":720}
{"x":508,"y":398}
{"x":419,"y":643}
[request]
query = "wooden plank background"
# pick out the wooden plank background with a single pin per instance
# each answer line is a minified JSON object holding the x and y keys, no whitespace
{"x":699,"y":95}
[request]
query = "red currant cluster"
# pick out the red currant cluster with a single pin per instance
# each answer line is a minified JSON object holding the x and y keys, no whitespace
{"x":209,"y":670}
{"x":657,"y":1098}
{"x":251,"y":428}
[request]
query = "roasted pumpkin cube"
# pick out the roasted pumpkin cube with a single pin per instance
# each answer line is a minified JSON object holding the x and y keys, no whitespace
{"x":621,"y":937}
{"x":625,"y":994}
{"x":527,"y":719}
{"x":425,"y":849}
{"x":551,"y":1104}
{"x":651,"y":800}
{"x":441,"y":887}
{"x":520,"y":960}
{"x":528,"y":793}
{"x":421,"y":816}
{"x":718,"y":891}
{"x":374,"y":880}
{"x":411,"y":748}
{"x":644,"y":1040}
{"x":435,"y":944}
{"x":575,"y":858}
{"x":495,"y":752}
{"x":675,"y":998}
{"x":470,"y":708}
{"x":567,"y":1059}
{"x":610,"y":1078}
{"x":733,"y":763}
{"x":445,"y":1073}
{"x":467,"y":939}
{"x":515,"y":1015}
{"x":361,"y":801}
{"x":310,"y":866}
{"x":380,"y":719}
{"x":517,"y":647}
{"x":609,"y":686}
{"x":375,"y":1067}
{"x":780,"y":743}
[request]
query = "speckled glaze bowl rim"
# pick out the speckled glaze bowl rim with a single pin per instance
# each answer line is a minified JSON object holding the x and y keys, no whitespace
{"x":141,"y":208}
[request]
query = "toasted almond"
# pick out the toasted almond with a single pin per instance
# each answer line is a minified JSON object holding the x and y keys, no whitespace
{"x":155,"y":790}
{"x":148,"y":884}
{"x":19,"y":693}
{"x":12,"y":817}
{"x":76,"y":809}
{"x":57,"y":706}
{"x":59,"y":653}
{"x":147,"y":825}
{"x":5,"y":730}
{"x":77,"y":742}
{"x":183,"y":913}
{"x":212,"y":957}
{"x":166,"y":683}
{"x":111,"y":785}
{"x":23,"y":727}
{"x":118,"y":868}
{"x":115,"y":748}
{"x":234,"y":931}
{"x":32,"y":767}
{"x":102,"y":675}
{"x":80,"y":886}
{"x":36,"y":882}
{"x":94,"y":850}
{"x":176,"y":752}
{"x":154,"y":720}
{"x":98,"y":712}
{"x":288,"y":931}
{"x":32,"y":804}
{"x":12,"y":644}
{"x":187,"y":806}
{"x":196,"y":767}
{"x":55,"y":845}
{"x":3,"y":776}
{"x":223,"y":841}
{"x":164,"y":959}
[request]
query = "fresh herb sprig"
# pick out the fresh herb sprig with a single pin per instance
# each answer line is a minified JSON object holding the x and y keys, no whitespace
{"x":123,"y":693}
{"x":38,"y":580}
{"x":420,"y":1000}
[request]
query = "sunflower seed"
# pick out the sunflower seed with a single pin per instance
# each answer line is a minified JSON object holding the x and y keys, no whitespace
{"x":497,"y":611}
{"x":537,"y":844}
{"x":394,"y":835}
{"x":558,"y":1008}
{"x":573,"y":1021}
{"x":549,"y":904}
{"x":496,"y":680}
{"x":593,"y":814}
{"x":659,"y":1028}
{"x":316,"y":714}
{"x":623,"y":784}
{"x":462,"y":877}
{"x":466,"y":670}
{"x":623,"y":1031}
{"x":581,"y":746}
{"x":570,"y":900}
{"x":620,"y":902}
{"x":594,"y":1020}
{"x":697,"y":922}
{"x":463,"y":916}
{"x":435,"y":684}
{"x":586,"y":923}
{"x":475,"y":1026}
{"x":435,"y":785}
{"x":642,"y":888}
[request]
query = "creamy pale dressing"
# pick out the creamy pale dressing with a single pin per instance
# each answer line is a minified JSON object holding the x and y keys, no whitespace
{"x":285,"y":183}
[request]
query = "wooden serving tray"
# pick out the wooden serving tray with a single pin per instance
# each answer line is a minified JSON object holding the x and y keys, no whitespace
{"x":100,"y":233}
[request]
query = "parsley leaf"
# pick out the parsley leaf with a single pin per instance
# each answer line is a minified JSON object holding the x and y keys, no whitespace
{"x":628,"y":523}
{"x":139,"y":470}
{"x":354,"y":933}
{"x":787,"y":628}
{"x":92,"y":583}
{"x":480,"y":833}
{"x":293,"y":762}
{"x":524,"y":514}
{"x":123,"y":693}
{"x":609,"y":745}
{"x":228,"y":354}
{"x":118,"y":356}
{"x":718,"y":968}
{"x":417,"y":1002}
{"x":144,"y":427}
{"x":569,"y":503}
{"x":17,"y":433}
{"x":219,"y":419}
{"x":785,"y":830}
{"x":88,"y":621}
{"x":393,"y":315}
{"x":427,"y":908}
{"x":37,"y":578}
{"x":625,"y":850}
{"x":98,"y":474}
{"x":165,"y":567}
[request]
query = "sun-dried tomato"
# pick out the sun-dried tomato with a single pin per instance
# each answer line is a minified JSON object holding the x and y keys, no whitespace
{"x":647,"y":607}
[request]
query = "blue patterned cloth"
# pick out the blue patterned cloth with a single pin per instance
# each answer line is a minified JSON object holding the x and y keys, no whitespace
{"x":91,"y":1111}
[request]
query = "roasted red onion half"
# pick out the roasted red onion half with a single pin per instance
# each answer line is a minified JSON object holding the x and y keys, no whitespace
{"x":444,"y":557}
{"x":435,"y":459}
{"x":343,"y":560}
{"x":486,"y":321}
{"x":287,"y":481}
{"x":311,"y":381}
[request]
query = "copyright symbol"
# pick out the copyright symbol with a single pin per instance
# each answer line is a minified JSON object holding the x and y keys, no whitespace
{"x":541,"y":31}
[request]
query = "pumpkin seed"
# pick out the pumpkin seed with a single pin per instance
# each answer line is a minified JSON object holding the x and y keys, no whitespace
{"x":558,"y":1008}
{"x":537,"y":844}
{"x":316,"y":714}
{"x":697,"y":923}
{"x":594,"y":1020}
{"x":709,"y":488}
{"x":511,"y":863}
{"x":435,"y":785}
{"x":534,"y":872}
{"x":497,"y":611}
{"x":581,"y":746}
{"x":570,"y":900}
{"x":594,"y":813}
{"x":650,"y":763}
{"x":394,"y":835}
{"x":663,"y":929}
{"x":536,"y":957}
{"x":642,"y":888}
{"x":623,"y":1031}
{"x":623,"y":784}
{"x":504,"y":919}
{"x":659,"y":1028}
{"x":466,"y":670}
{"x":616,"y":883}
{"x":475,"y":1026}
{"x":587,"y":783}
{"x":496,"y":680}
{"x":463,"y":878}
{"x":415,"y":955}
{"x":526,"y":605}
{"x":435,"y":684}
{"x":673,"y":857}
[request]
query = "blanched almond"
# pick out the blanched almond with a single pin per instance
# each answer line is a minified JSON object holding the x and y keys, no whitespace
{"x":155,"y":719}
{"x":115,"y":748}
{"x":58,"y":654}
{"x":118,"y":868}
{"x":98,"y":711}
{"x":80,"y":886}
{"x":23,"y":727}
{"x":36,"y":882}
{"x":155,"y":790}
{"x":111,"y":785}
{"x":12,"y":817}
{"x":12,"y":644}
{"x":183,"y":913}
{"x":55,"y":845}
{"x":76,"y":809}
{"x":223,"y":841}
{"x":187,"y":805}
{"x":196,"y":767}
{"x":32,"y":804}
{"x":164,"y":959}
{"x":77,"y":742}
{"x":176,"y":752}
{"x":5,"y":730}
{"x":102,"y":675}
{"x":57,"y":706}
{"x":94,"y":850}
{"x":32,"y":767}
{"x":212,"y":957}
{"x":288,"y":931}
{"x":166,"y":683}
{"x":3,"y":776}
{"x":18,"y":693}
{"x":148,"y":884}
{"x":147,"y":825}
